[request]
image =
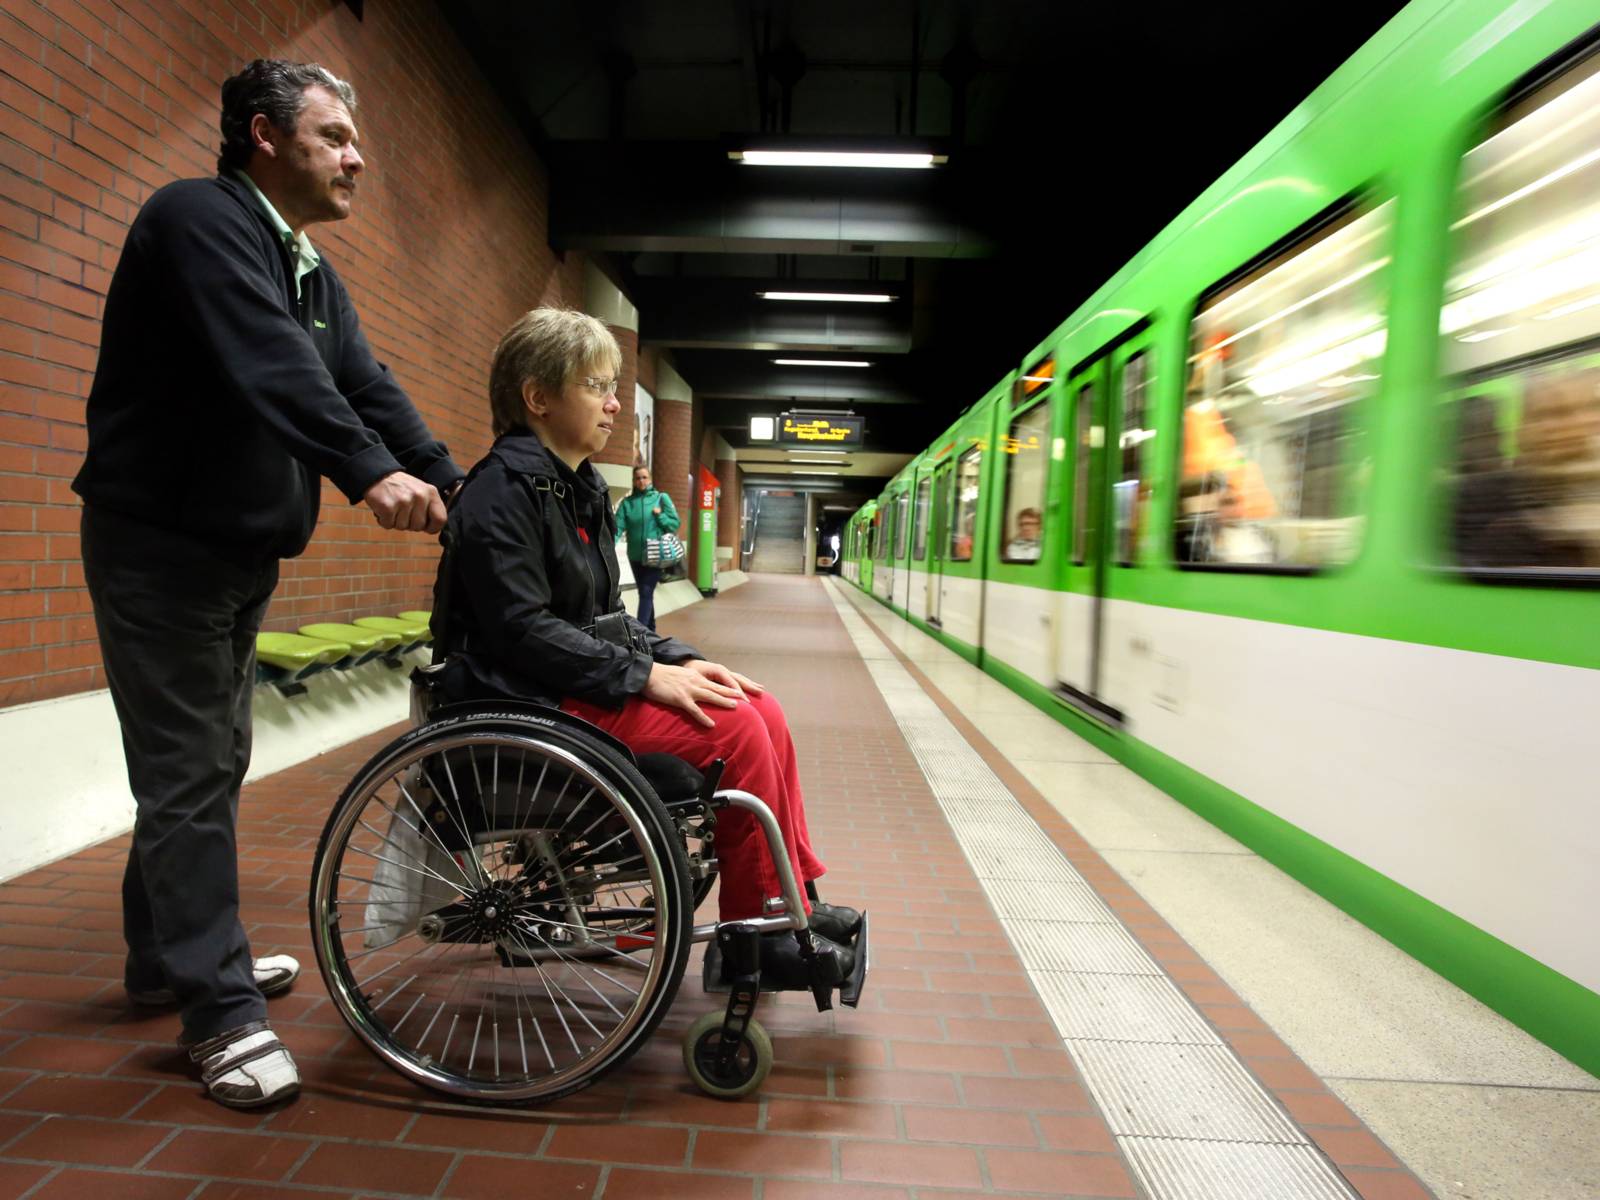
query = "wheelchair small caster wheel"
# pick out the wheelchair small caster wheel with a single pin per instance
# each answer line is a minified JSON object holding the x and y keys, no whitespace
{"x":745,"y":1071}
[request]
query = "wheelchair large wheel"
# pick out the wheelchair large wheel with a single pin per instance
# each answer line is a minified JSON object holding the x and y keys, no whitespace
{"x":501,"y":907}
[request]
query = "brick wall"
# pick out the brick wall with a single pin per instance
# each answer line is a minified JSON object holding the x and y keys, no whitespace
{"x":620,"y":448}
{"x":674,"y":462}
{"x":103,"y":101}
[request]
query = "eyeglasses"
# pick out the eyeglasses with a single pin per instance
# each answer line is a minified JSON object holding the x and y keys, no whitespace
{"x":600,"y":387}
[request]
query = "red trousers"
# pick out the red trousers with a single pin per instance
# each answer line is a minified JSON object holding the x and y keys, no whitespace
{"x":753,"y":739}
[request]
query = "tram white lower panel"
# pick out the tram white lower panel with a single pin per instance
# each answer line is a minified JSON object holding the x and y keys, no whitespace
{"x":960,"y":602}
{"x":916,"y":598}
{"x":882,"y":578}
{"x":1463,"y":776}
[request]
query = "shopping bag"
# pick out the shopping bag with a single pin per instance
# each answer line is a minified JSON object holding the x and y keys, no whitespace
{"x":663,"y":551}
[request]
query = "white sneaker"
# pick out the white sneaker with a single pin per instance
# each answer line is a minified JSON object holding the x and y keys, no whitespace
{"x":246,"y":1067}
{"x":275,"y":975}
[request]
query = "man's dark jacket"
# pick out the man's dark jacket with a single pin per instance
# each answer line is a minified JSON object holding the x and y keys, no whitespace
{"x":530,"y":561}
{"x":220,"y":399}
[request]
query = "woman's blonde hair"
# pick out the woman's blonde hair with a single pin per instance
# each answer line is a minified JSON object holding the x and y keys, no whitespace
{"x":548,"y":346}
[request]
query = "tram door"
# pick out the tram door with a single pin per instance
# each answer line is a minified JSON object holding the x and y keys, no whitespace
{"x":937,"y":541}
{"x":1104,"y":505}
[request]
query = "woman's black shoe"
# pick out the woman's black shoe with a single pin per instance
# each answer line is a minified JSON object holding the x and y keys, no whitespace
{"x":835,"y":922}
{"x":784,"y":968}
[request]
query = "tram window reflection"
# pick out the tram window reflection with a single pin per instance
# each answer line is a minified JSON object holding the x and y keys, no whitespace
{"x":1130,"y":497}
{"x":1277,"y":360}
{"x":1521,"y":338}
{"x":902,"y":524}
{"x":964,"y":505}
{"x":1027,"y":471}
{"x":919,"y":538}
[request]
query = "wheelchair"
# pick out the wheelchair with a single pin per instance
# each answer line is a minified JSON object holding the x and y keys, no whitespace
{"x":502,"y":906}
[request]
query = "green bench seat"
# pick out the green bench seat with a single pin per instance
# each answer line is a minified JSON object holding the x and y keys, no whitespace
{"x":363,"y":645}
{"x":422,"y":615}
{"x":284,"y":659}
{"x":412,"y":633}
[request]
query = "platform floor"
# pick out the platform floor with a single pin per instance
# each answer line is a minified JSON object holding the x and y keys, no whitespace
{"x":952,"y":1079}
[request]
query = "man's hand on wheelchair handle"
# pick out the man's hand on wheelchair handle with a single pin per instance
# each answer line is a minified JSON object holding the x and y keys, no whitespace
{"x":686,"y":688}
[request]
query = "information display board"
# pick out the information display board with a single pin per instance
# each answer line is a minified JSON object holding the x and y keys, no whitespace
{"x":809,"y":429}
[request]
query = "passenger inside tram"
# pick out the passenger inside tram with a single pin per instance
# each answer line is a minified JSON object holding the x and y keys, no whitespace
{"x":1025,"y":547}
{"x":528,"y":607}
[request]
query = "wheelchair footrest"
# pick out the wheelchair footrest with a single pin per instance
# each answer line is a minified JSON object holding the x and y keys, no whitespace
{"x":849,"y":990}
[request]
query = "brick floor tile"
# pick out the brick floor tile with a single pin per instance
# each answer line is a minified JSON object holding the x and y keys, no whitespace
{"x":13,"y":1124}
{"x":381,"y":1168}
{"x":1312,"y":1108}
{"x":228,"y":1155}
{"x":1386,"y":1185}
{"x":763,"y":1153}
{"x":969,"y":1126}
{"x":924,"y":1086}
{"x":187,"y":1104}
{"x":1233,"y":1018}
{"x":649,"y":1146}
{"x":1003,"y":1032}
{"x":786,"y":1189}
{"x":1284,"y":1073}
{"x":796,"y":1079}
{"x":335,"y":1116}
{"x":115,"y":1185}
{"x":920,"y":1001}
{"x":840,"y":1118}
{"x":17,"y":1178}
{"x":81,"y":1055}
{"x":1062,"y":1132}
{"x":914,"y":1166}
{"x":1053,"y":1095}
{"x":625,"y":1184}
{"x":79,"y":1097}
{"x":685,"y":1105}
{"x":1054,"y":1063}
{"x":229,"y":1190}
{"x":62,"y":1020}
{"x":831,"y":1050}
{"x":1257,"y":1044}
{"x":478,"y":1177}
{"x":507,"y":1132}
{"x":1352,"y":1147}
{"x":82,"y":1141}
{"x":947,"y":1056}
{"x":1059,"y":1174}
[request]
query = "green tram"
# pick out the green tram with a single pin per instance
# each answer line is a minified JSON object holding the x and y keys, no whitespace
{"x":1298,"y":515}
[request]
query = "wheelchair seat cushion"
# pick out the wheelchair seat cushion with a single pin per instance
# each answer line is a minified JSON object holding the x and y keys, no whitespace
{"x":670,"y":777}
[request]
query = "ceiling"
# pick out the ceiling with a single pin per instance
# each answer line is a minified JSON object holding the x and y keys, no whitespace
{"x":1073,"y":133}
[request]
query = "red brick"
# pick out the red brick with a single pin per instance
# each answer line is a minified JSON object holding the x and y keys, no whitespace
{"x":623,"y":1184}
{"x":1059,"y":1174}
{"x":73,"y":1096}
{"x":481,"y":1178}
{"x":101,"y":1143}
{"x":838,"y":1118}
{"x":648,"y":1146}
{"x":381,"y":1168}
{"x":971,"y":1126}
{"x":914,"y":1166}
{"x":228,"y":1155}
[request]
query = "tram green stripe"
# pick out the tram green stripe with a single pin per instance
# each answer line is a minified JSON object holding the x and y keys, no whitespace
{"x":1560,"y":1012}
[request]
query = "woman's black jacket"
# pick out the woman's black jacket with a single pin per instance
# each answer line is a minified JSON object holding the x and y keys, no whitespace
{"x":519,"y":588}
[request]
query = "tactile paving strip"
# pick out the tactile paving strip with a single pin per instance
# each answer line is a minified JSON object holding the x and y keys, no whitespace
{"x":1193,"y":1123}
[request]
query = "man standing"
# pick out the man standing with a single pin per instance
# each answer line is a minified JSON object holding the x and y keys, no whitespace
{"x":233,"y":374}
{"x":645,"y":514}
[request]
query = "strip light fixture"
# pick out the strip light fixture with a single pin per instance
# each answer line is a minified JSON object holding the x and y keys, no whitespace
{"x":877,"y":160}
{"x":819,"y":362}
{"x":831,"y":297}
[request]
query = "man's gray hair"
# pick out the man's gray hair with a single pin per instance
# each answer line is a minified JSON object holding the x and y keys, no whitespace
{"x":547,"y":346}
{"x":277,"y":88}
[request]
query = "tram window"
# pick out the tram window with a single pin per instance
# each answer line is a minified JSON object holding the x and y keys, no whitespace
{"x":1027,"y":470}
{"x":1272,"y":470}
{"x":1130,"y":498}
{"x":902,"y":524}
{"x":1521,"y":339}
{"x":919,"y":537}
{"x":1080,"y":473}
{"x":964,"y":506}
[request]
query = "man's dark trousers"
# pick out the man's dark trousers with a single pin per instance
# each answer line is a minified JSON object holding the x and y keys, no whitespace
{"x":645,"y":580}
{"x":177,"y":628}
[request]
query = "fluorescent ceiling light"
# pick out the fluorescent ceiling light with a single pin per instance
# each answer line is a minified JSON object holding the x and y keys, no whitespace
{"x":819,"y":362}
{"x":815,"y":474}
{"x":1483,"y":335}
{"x":831,"y":297}
{"x":835,"y":158}
{"x":823,"y":462}
{"x":763,"y":429}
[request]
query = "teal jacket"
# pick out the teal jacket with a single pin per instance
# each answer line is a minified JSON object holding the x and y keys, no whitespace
{"x":638,"y":521}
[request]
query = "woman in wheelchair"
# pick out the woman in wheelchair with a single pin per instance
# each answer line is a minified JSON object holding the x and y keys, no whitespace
{"x":528,"y":606}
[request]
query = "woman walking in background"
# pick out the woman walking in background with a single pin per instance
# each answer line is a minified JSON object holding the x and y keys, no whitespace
{"x":644,"y":514}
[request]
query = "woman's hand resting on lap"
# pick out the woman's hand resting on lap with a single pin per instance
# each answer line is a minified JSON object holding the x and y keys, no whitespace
{"x":695,"y":683}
